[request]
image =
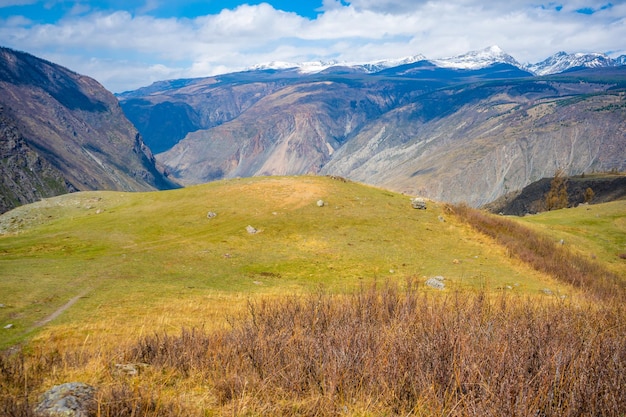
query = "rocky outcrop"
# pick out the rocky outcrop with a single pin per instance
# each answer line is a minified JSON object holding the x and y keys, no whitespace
{"x":72,"y":399}
{"x":62,"y":132}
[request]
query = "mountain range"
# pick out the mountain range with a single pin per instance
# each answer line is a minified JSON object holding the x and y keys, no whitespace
{"x":559,"y":62}
{"x":470,"y":128}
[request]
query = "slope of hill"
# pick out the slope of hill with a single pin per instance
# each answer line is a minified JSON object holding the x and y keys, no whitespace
{"x":63,"y":132}
{"x":136,"y":252}
{"x":331,"y":273}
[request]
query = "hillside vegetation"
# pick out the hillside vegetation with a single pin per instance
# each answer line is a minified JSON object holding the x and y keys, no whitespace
{"x":175,"y":309}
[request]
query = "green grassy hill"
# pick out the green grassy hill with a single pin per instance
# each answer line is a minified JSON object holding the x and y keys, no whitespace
{"x":324,"y":311}
{"x":151,"y":261}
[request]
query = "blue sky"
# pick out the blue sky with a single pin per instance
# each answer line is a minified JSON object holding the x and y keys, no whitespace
{"x":126,"y":44}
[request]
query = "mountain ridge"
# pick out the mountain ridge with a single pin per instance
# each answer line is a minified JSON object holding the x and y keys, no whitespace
{"x":64,"y":132}
{"x":416,"y":128}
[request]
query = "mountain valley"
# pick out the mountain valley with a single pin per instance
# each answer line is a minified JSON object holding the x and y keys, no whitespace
{"x":470,"y":129}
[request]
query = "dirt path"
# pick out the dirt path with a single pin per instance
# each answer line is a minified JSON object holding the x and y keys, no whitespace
{"x":60,"y":310}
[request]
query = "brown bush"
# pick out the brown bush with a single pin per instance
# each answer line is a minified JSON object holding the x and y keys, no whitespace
{"x":543,"y":254}
{"x":381,"y":351}
{"x":403,"y":352}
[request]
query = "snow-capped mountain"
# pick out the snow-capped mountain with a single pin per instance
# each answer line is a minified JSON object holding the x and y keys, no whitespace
{"x":478,"y":59}
{"x":473,"y":60}
{"x":562,"y":61}
{"x":313,"y":67}
{"x":620,"y":60}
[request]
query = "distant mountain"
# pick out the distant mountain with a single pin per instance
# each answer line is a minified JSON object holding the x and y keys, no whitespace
{"x":63,"y":132}
{"x":479,"y":59}
{"x":314,"y":67}
{"x":470,"y":128}
{"x":562,"y":61}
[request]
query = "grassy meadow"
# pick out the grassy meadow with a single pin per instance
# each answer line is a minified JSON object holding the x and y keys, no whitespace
{"x":322,"y":311}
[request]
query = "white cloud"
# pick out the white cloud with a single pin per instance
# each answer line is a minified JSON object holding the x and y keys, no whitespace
{"x":126,"y":51}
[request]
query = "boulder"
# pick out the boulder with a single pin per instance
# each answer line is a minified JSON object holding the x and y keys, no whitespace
{"x":418,"y":203}
{"x":72,"y":399}
{"x":436,"y":282}
{"x":251,"y":230}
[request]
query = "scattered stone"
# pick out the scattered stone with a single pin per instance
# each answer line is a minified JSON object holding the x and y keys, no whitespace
{"x":98,"y":211}
{"x":130,"y":369}
{"x":441,"y":219}
{"x":72,"y":399}
{"x":547,"y":291}
{"x":211,"y":214}
{"x":251,"y":230}
{"x":9,"y":326}
{"x":320,"y":203}
{"x":456,"y":261}
{"x":2,"y":306}
{"x":436,"y":282}
{"x":562,"y":242}
{"x":418,"y":203}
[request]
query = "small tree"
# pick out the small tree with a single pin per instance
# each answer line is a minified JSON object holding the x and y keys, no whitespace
{"x":557,"y":197}
{"x":589,"y":194}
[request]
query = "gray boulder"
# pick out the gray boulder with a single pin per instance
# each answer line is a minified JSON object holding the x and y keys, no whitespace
{"x":72,"y":399}
{"x":418,"y":203}
{"x":436,"y":282}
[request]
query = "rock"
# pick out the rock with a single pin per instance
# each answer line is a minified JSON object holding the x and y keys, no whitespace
{"x":130,"y":369}
{"x":436,"y":282}
{"x":9,"y":326}
{"x":418,"y":203}
{"x":320,"y":203}
{"x":72,"y":399}
{"x":441,"y":219}
{"x":211,"y":214}
{"x":251,"y":230}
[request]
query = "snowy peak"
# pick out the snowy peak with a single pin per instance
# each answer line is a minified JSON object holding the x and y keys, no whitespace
{"x":478,"y":59}
{"x":562,"y":61}
{"x":313,"y":67}
{"x":473,"y":60}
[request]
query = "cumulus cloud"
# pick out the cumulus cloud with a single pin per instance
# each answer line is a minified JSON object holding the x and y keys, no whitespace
{"x":127,"y":50}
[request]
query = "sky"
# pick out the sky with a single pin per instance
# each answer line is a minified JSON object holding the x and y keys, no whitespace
{"x":127,"y":44}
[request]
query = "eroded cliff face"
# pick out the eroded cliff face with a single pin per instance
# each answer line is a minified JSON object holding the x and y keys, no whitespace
{"x":72,"y":126}
{"x":460,"y":139}
{"x":293,"y":131}
{"x":490,"y":147}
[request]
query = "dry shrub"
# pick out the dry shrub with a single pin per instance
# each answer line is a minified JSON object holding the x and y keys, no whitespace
{"x":382,"y":351}
{"x":543,"y":254}
{"x":403,"y":352}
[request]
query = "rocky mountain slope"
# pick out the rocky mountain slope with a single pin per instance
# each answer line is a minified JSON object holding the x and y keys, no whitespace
{"x":474,"y":143}
{"x":62,"y":132}
{"x":460,"y":132}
